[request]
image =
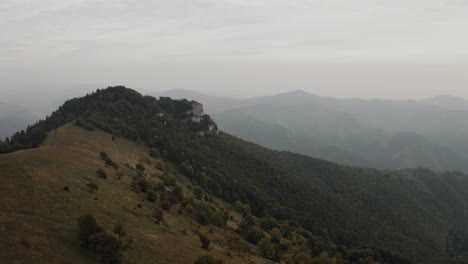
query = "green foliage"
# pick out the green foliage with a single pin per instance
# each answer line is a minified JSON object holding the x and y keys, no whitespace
{"x":143,"y":184}
{"x":198,"y":192}
{"x":276,"y":235}
{"x":87,"y":226}
{"x":169,"y":179}
{"x":159,"y":164}
{"x":140,"y":167}
{"x":151,"y":196}
{"x":155,"y":153}
{"x":268,"y":223}
{"x":267,"y":249}
{"x":205,"y":214}
{"x":104,"y":155}
{"x":255,"y":234}
{"x":101,"y":173}
{"x":205,"y":241}
{"x":107,"y":247}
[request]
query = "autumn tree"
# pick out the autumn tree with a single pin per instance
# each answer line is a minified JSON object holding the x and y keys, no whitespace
{"x":267,"y":249}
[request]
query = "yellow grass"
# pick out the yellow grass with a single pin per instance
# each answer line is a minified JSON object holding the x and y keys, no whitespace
{"x":38,"y":218}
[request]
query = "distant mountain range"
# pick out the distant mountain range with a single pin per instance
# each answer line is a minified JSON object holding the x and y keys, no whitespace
{"x":431,"y":133}
{"x":14,"y":118}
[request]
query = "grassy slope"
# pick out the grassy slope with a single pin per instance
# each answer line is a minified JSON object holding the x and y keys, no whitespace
{"x":38,"y":218}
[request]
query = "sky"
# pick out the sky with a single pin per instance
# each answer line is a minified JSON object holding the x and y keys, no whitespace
{"x":341,"y":48}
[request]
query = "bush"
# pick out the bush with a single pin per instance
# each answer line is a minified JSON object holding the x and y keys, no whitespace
{"x":107,"y":247}
{"x":169,"y":179}
{"x":255,"y":234}
{"x":119,"y":230}
{"x":104,"y":155}
{"x":160,"y":165}
{"x":92,"y":187}
{"x":151,"y":196}
{"x":198,"y":192}
{"x":267,"y":249}
{"x":87,"y":227}
{"x":101,"y":173}
{"x":143,"y":185}
{"x":276,"y":235}
{"x":205,"y":241}
{"x":158,"y":215}
{"x":208,"y":260}
{"x":140,"y":167}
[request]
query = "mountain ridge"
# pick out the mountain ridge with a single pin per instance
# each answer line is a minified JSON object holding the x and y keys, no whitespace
{"x":334,"y":202}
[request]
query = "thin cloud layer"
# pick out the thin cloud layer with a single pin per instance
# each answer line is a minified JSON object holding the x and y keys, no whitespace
{"x":40,"y":37}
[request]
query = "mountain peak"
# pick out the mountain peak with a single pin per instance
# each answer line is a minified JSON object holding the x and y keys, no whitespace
{"x":446,"y":98}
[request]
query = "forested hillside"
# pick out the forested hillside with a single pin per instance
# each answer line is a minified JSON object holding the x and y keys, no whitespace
{"x":385,"y":216}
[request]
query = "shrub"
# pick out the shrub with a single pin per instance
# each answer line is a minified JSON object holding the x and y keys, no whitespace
{"x":208,"y":260}
{"x":255,"y":234}
{"x":107,"y":247}
{"x":104,"y":155}
{"x":177,"y":192}
{"x":119,"y":230}
{"x":158,"y":215}
{"x":267,"y":249}
{"x":155,"y":153}
{"x":140,"y":167}
{"x":160,"y":165}
{"x":87,"y":227}
{"x":92,"y":187}
{"x":151,"y":196}
{"x":119,"y":174}
{"x":169,"y":179}
{"x":198,"y":192}
{"x":205,"y":241}
{"x":143,"y":185}
{"x":276,"y":235}
{"x":101,"y":173}
{"x":268,"y":223}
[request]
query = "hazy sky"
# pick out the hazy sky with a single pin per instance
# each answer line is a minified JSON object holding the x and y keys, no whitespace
{"x":343,"y":48}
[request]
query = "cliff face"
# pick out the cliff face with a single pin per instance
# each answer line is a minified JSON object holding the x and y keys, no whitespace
{"x":196,"y":113}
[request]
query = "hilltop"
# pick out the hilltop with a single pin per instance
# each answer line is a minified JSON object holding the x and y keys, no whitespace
{"x":324,"y":211}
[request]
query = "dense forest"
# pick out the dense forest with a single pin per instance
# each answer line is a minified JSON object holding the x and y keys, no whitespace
{"x":364,"y":214}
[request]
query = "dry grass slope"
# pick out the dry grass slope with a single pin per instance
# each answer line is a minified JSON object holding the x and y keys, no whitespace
{"x":38,"y":218}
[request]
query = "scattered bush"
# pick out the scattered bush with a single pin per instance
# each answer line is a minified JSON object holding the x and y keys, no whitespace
{"x":158,"y":215}
{"x":255,"y":234}
{"x":276,"y":235}
{"x":66,"y":188}
{"x":87,"y":226}
{"x":160,"y":165}
{"x":101,"y":173}
{"x":205,"y":241}
{"x":119,"y":174}
{"x":151,"y":196}
{"x":119,"y":230}
{"x":104,"y":155}
{"x":198,"y":192}
{"x":107,"y":247}
{"x":169,"y":179}
{"x":140,"y":167}
{"x":143,"y":185}
{"x":267,"y":249}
